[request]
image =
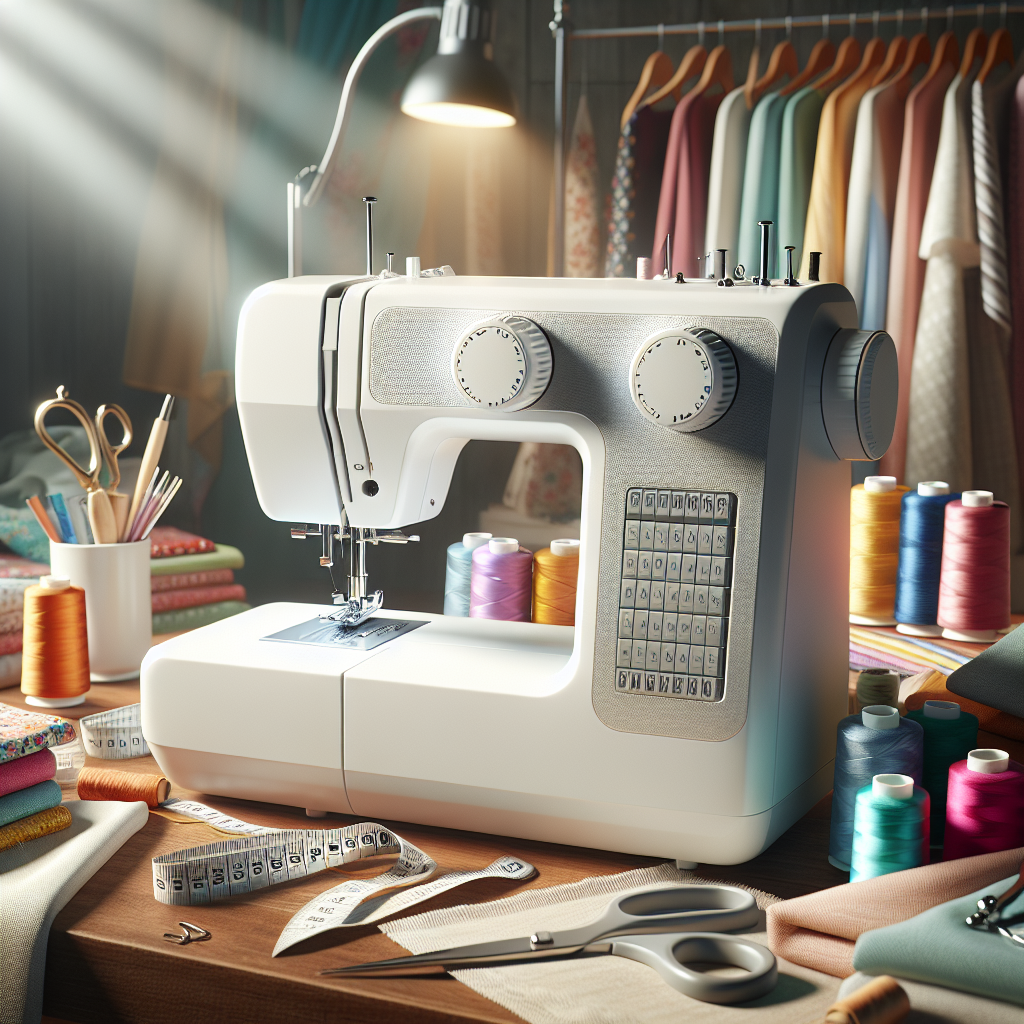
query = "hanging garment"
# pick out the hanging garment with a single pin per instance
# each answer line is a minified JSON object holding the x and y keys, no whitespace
{"x":725,"y":184}
{"x":921,"y":122}
{"x":582,"y":231}
{"x":636,"y":188}
{"x":799,"y":141}
{"x":939,"y":415}
{"x":1015,"y":255}
{"x":760,"y":199}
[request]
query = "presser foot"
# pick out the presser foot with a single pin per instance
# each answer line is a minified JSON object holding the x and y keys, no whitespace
{"x":355,"y":610}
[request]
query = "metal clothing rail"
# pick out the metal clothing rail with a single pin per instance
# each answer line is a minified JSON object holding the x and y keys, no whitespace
{"x":563,"y":32}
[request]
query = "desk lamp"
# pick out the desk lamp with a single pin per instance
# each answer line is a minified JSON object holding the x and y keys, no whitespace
{"x":459,"y":86}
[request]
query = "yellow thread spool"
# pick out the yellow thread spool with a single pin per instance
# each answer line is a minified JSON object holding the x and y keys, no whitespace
{"x":55,"y":656}
{"x":555,"y":572}
{"x":874,"y":550}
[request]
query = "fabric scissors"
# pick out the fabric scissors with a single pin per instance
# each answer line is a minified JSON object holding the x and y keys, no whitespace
{"x":108,"y":508}
{"x":665,"y":928}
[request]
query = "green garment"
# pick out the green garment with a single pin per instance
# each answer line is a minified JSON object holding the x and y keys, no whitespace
{"x":796,"y":168}
{"x":938,"y":947}
{"x":761,"y":180}
{"x":23,"y":802}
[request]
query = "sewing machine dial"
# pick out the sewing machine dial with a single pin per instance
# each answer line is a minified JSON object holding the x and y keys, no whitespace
{"x":683,"y":380}
{"x":504,"y":363}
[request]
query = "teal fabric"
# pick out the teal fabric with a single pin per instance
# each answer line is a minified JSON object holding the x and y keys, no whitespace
{"x":39,"y":797}
{"x":761,"y":180}
{"x":938,"y":947}
{"x":796,"y":168}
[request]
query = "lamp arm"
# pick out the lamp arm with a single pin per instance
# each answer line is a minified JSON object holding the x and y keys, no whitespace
{"x":323,"y":172}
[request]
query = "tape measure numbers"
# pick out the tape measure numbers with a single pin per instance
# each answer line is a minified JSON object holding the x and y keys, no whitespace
{"x":115,"y":735}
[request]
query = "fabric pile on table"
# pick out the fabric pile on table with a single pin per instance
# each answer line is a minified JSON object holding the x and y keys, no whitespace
{"x":16,"y":576}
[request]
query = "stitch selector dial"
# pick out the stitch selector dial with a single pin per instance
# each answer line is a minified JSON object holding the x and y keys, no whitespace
{"x":504,"y":363}
{"x":683,"y":380}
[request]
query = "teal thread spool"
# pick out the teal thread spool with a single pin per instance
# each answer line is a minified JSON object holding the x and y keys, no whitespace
{"x":890,"y":827}
{"x":950,"y":734}
{"x":458,"y":571}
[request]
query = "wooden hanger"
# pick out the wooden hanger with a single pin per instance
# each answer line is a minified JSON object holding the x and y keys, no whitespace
{"x":691,"y":64}
{"x":1000,"y":50}
{"x":717,"y":71}
{"x":947,"y":51}
{"x":974,"y":49}
{"x":751,"y":79}
{"x":847,"y":61}
{"x":919,"y":52}
{"x":783,"y":61}
{"x":894,"y":58}
{"x":822,"y":57}
{"x":656,"y":72}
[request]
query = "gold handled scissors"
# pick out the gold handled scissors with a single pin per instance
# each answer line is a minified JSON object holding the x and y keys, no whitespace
{"x":102,"y":503}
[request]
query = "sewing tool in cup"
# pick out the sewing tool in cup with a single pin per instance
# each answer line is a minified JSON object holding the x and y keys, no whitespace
{"x":105,"y":505}
{"x":922,"y":523}
{"x":874,"y":550}
{"x":55,"y":645}
{"x":111,"y":784}
{"x":556,"y":570}
{"x":949,"y":735}
{"x":458,"y":570}
{"x":151,"y":456}
{"x":666,"y":929}
{"x":880,"y":1001}
{"x":115,"y":735}
{"x":890,"y":827}
{"x":876,"y":741}
{"x":974,"y":586}
{"x":877,"y":686}
{"x":984,"y":804}
{"x":501,"y":581}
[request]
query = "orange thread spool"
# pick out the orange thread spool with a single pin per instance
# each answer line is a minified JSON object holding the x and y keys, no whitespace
{"x":882,"y":1001}
{"x":875,"y":507}
{"x":556,"y":571}
{"x":110,"y":784}
{"x":55,"y":656}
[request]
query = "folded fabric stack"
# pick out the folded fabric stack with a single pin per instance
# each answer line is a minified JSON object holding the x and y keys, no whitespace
{"x":30,"y":799}
{"x":193,"y":581}
{"x":16,"y":576}
{"x":877,"y":647}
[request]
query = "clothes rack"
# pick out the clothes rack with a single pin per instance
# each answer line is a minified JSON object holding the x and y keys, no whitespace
{"x":563,"y":34}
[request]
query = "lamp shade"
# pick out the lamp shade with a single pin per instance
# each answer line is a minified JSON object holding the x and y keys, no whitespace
{"x":460,"y":85}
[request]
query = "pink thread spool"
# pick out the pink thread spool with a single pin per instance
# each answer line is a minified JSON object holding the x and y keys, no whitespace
{"x":501,"y":582}
{"x":984,"y":805}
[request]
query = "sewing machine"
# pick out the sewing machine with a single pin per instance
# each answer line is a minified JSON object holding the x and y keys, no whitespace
{"x":712,"y":418}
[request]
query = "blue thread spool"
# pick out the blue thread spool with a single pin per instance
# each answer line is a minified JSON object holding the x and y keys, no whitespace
{"x":458,"y":572}
{"x":877,"y":741}
{"x":922,"y":519}
{"x":890,"y":830}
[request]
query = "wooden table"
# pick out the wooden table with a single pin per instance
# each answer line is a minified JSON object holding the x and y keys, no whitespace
{"x":107,"y":961}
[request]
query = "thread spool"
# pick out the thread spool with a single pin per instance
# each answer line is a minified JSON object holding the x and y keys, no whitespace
{"x":555,"y":572}
{"x":974,"y":585}
{"x":890,"y":827}
{"x":458,"y":571}
{"x":110,"y":784}
{"x":877,"y":686}
{"x":501,"y":585}
{"x":984,"y":804}
{"x":877,"y":741}
{"x":643,"y":268}
{"x":949,"y":735}
{"x":874,"y":550}
{"x":880,"y":1001}
{"x":922,"y":521}
{"x":55,"y":655}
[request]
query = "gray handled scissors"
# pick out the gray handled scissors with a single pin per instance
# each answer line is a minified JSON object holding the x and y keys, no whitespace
{"x":664,"y":928}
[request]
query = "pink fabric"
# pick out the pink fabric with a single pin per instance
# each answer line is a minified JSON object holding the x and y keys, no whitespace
{"x":23,"y":772}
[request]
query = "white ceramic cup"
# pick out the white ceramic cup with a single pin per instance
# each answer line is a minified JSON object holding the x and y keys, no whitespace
{"x":118,"y":604}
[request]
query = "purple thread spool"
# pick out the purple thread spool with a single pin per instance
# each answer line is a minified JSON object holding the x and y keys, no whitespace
{"x":501,"y":583}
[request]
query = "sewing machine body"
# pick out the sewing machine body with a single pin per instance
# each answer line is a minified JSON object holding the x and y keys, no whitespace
{"x":518,"y":728}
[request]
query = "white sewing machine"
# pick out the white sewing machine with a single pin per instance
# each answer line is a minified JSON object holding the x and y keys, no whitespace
{"x":691,"y":711}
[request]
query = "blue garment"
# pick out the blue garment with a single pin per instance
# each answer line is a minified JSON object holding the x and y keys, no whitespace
{"x":796,"y":168}
{"x":760,"y":199}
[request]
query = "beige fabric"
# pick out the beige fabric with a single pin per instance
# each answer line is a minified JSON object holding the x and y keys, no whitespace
{"x":36,"y":880}
{"x":819,"y":930}
{"x":600,"y":989}
{"x":933,"y":1005}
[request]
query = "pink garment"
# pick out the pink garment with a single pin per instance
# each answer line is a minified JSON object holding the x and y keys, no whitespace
{"x":922,"y":121}
{"x":682,"y":210}
{"x":27,"y":771}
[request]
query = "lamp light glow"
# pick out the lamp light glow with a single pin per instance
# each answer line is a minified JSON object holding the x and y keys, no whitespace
{"x":461,"y":115}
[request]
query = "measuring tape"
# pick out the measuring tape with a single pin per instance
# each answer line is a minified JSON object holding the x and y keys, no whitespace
{"x":261,"y":857}
{"x":115,"y":735}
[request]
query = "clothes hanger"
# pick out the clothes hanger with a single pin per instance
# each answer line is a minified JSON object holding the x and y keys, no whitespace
{"x":847,"y":61}
{"x":783,"y":61}
{"x":822,"y":57}
{"x":753,"y":64}
{"x":1000,"y":50}
{"x":691,"y":64}
{"x":947,"y":51}
{"x":895,"y":57}
{"x":874,"y":57}
{"x":717,"y":71}
{"x":919,"y":52}
{"x":656,"y":72}
{"x":974,"y":49}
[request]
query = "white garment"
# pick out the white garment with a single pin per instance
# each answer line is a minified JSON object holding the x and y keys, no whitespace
{"x":858,"y":198}
{"x":725,"y":186}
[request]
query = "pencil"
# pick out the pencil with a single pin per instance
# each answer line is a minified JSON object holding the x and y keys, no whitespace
{"x":151,"y":456}
{"x":44,"y":520}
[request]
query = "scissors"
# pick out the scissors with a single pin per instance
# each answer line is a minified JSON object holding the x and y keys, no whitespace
{"x":108,"y":508}
{"x":666,"y":929}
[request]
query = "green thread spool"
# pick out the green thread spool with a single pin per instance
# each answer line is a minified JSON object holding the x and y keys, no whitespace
{"x":950,"y":734}
{"x":877,"y":686}
{"x":890,"y":827}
